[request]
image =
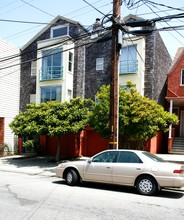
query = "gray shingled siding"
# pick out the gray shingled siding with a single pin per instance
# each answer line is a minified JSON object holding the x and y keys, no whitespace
{"x":157,"y":63}
{"x":79,"y":70}
{"x":95,"y":79}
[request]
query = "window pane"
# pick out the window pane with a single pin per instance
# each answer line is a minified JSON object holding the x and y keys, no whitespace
{"x":70,"y":56}
{"x":45,"y":94}
{"x":57,"y":57}
{"x":128,"y":60}
{"x":129,"y":53}
{"x":128,"y":157}
{"x":33,"y":68}
{"x":105,"y":157}
{"x":182,"y":77}
{"x":58,"y":93}
{"x":70,"y":61}
{"x":99,"y":63}
{"x":51,"y":64}
{"x":69,"y":94}
{"x":51,"y":93}
{"x":59,"y":32}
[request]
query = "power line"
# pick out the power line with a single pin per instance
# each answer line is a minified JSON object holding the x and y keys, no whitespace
{"x":24,"y":22}
{"x":94,"y":7}
{"x":37,"y":8}
{"x":166,"y":6}
{"x":75,"y":47}
{"x":48,"y":46}
{"x":78,"y":10}
{"x":168,"y":17}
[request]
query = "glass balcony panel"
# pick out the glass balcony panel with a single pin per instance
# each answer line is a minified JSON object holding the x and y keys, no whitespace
{"x":128,"y":67}
{"x":50,"y":73}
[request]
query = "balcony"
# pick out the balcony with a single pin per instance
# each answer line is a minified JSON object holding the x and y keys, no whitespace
{"x":51,"y":73}
{"x":128,"y":67}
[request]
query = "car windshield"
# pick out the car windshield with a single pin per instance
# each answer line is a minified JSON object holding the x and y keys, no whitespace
{"x":154,"y":157}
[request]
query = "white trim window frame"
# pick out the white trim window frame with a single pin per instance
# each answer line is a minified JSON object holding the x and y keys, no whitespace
{"x":99,"y":63}
{"x":182,"y":77}
{"x":70,"y":61}
{"x":33,"y":68}
{"x":59,"y":31}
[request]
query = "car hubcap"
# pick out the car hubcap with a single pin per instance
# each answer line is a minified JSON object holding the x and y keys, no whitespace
{"x":145,"y":186}
{"x":69,"y":177}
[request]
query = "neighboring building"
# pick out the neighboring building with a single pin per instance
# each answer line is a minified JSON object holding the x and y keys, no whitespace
{"x":175,"y":101}
{"x":9,"y":91}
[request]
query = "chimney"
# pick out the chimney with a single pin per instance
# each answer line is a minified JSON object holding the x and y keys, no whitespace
{"x":97,"y":25}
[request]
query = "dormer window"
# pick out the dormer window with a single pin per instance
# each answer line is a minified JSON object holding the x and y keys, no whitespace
{"x":59,"y":31}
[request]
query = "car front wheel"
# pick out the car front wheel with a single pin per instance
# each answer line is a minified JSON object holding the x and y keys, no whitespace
{"x":72,"y":178}
{"x":146,"y":185}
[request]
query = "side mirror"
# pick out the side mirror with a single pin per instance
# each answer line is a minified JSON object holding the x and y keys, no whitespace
{"x":89,"y":160}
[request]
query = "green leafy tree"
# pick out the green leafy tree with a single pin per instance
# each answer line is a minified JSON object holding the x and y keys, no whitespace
{"x":139,"y":117}
{"x":52,"y":119}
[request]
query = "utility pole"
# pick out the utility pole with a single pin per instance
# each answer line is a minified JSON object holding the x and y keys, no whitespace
{"x":114,"y":86}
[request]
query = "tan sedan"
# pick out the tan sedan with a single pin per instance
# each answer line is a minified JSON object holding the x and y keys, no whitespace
{"x":140,"y":169}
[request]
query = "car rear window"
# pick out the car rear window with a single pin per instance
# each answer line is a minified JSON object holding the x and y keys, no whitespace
{"x":154,"y":157}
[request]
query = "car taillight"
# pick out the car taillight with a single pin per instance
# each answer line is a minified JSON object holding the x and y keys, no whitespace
{"x":178,"y":171}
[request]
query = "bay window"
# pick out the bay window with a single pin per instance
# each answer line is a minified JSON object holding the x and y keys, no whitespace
{"x":50,"y":93}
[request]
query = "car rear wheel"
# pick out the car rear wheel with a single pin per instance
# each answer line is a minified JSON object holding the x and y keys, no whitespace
{"x":146,"y":185}
{"x":72,"y":178}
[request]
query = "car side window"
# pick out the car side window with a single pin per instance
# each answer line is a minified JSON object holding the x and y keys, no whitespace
{"x":105,"y":157}
{"x":128,"y":157}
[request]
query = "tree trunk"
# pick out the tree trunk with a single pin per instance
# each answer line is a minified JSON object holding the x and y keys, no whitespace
{"x":58,"y":149}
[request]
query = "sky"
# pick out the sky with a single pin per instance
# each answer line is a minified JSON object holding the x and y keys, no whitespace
{"x":85,"y":12}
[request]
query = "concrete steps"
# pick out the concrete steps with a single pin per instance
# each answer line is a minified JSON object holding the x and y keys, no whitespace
{"x":178,"y":146}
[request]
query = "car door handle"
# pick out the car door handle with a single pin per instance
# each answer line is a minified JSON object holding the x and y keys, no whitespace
{"x":108,"y":167}
{"x":138,"y":168}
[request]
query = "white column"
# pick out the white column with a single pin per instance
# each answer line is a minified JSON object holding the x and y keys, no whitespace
{"x":170,"y":126}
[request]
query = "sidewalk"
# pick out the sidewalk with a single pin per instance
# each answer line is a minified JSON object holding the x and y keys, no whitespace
{"x":28,"y":165}
{"x":172,"y":157}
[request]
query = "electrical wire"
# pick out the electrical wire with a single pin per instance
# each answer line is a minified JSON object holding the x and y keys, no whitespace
{"x":39,"y":9}
{"x":78,"y":10}
{"x":49,"y":46}
{"x":23,"y":22}
{"x":166,"y":22}
{"x":166,"y":6}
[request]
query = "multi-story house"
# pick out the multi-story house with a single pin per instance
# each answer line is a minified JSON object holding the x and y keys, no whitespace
{"x":175,"y":102}
{"x":64,"y":60}
{"x":60,"y":62}
{"x":9,"y":92}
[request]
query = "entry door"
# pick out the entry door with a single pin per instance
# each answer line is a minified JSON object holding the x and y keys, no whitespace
{"x":182,"y":124}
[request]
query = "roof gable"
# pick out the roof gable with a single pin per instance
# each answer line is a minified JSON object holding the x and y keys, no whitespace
{"x":178,"y":57}
{"x":48,"y":27}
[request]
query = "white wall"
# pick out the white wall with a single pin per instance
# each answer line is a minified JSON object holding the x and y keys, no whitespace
{"x":9,"y":88}
{"x":67,"y":81}
{"x":138,"y":78}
